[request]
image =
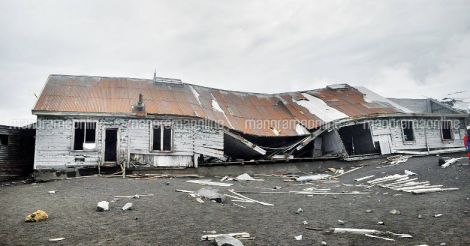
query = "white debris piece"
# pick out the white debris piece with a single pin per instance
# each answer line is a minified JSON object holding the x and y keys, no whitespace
{"x":127,"y":206}
{"x":410,"y":173}
{"x":370,"y":232}
{"x":227,"y":240}
{"x":364,"y":178}
{"x":52,"y":192}
{"x":451,"y":161}
{"x":211,"y":237}
{"x":56,"y":239}
{"x":298,"y":238}
{"x":423,"y":191}
{"x":245,"y":177}
{"x":102,"y":206}
{"x":211,"y":194}
{"x":313,"y":177}
{"x":208,"y":182}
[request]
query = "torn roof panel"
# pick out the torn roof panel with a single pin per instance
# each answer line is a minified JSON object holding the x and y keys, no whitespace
{"x":233,"y":109}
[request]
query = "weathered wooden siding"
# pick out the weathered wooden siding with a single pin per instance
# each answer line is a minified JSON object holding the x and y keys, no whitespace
{"x":55,"y":137}
{"x":427,"y":135}
{"x":16,"y":157}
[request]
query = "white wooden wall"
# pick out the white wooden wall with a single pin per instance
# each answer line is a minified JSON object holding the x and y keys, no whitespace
{"x":54,"y":141}
{"x":390,"y":137}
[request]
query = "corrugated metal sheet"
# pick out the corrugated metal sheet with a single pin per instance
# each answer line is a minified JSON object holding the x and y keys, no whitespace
{"x":87,"y":94}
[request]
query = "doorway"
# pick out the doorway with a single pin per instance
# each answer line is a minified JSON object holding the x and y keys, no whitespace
{"x":357,"y":140}
{"x":110,"y":146}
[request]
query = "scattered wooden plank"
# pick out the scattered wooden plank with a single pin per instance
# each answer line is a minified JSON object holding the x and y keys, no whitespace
{"x":211,"y":237}
{"x":209,"y":182}
{"x":423,"y":191}
{"x":247,"y":198}
{"x":364,"y":178}
{"x":384,"y":238}
{"x":134,"y":196}
{"x":329,"y":193}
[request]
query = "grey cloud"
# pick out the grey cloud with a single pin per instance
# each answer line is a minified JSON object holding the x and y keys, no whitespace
{"x":398,"y":48}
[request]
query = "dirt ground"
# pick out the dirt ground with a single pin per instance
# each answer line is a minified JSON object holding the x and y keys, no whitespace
{"x":173,"y":218}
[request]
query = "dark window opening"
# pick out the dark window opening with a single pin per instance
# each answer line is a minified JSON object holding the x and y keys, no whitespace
{"x":85,"y":135}
{"x":446,"y":128}
{"x":157,"y":131}
{"x":4,"y":139}
{"x":167,"y":138}
{"x":162,"y":138}
{"x":408,"y":133}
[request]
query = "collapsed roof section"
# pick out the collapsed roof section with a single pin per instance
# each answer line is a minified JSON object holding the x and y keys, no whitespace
{"x":247,"y":113}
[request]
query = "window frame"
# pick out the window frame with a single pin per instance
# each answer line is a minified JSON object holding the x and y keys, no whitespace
{"x":452,"y":136}
{"x":403,"y":132}
{"x":162,"y":126}
{"x":7,"y":140}
{"x":84,"y":135}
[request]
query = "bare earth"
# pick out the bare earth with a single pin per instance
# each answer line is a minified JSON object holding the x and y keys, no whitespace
{"x":173,"y":218}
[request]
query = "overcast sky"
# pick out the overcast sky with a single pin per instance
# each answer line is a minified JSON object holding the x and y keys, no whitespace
{"x":396,"y":48}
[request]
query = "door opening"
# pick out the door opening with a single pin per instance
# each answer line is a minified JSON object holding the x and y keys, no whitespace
{"x":110,"y":149}
{"x":357,"y":140}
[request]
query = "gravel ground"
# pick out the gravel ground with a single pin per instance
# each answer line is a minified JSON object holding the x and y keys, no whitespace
{"x":171,"y":217}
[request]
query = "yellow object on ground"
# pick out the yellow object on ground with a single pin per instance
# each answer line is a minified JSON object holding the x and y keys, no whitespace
{"x":37,"y":216}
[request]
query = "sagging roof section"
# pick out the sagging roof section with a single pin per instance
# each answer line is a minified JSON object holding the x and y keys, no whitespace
{"x":249,"y":113}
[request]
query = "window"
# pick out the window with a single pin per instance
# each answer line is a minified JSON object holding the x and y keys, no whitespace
{"x":85,"y":136}
{"x":408,"y":133}
{"x":162,"y":138}
{"x":4,"y":139}
{"x":446,"y":130}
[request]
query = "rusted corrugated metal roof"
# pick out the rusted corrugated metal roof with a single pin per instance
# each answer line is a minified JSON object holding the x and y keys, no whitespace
{"x":273,"y":114}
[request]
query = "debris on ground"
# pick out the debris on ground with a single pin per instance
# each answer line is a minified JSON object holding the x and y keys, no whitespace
{"x":299,"y":211}
{"x":380,"y":223}
{"x":341,"y":222}
{"x":399,"y":182}
{"x":136,"y":196}
{"x":349,"y":171}
{"x":298,"y":238}
{"x":371,"y":233}
{"x":410,"y":173}
{"x":37,"y":216}
{"x":246,"y":177}
{"x":127,"y":206}
{"x":395,"y":160}
{"x":395,"y":211}
{"x":313,"y":177}
{"x":437,"y":215}
{"x":102,"y":206}
{"x":238,"y":235}
{"x":52,"y":191}
{"x":369,"y":211}
{"x":451,"y":161}
{"x":211,"y":194}
{"x":227,"y":240}
{"x":323,"y":243}
{"x":208,"y":182}
{"x":364,"y":178}
{"x":242,"y":198}
{"x":56,"y":239}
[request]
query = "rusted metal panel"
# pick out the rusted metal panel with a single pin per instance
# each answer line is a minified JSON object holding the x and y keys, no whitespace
{"x":86,"y":94}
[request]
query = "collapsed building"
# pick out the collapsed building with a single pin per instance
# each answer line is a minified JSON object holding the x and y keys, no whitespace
{"x":87,"y":121}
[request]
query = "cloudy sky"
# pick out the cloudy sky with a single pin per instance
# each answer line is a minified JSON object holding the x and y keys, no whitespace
{"x":396,"y":48}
